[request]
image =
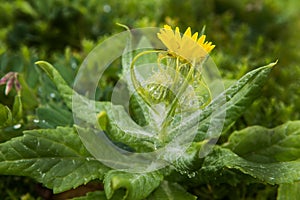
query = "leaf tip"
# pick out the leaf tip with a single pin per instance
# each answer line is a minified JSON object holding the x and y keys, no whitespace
{"x":124,"y":26}
{"x":272,"y":64}
{"x":40,"y":62}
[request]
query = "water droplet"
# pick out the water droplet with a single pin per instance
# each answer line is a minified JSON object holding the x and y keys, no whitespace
{"x":191,"y":174}
{"x":17,"y":126}
{"x":182,"y":172}
{"x":156,"y":93}
{"x":106,"y":8}
{"x":74,"y":65}
{"x":261,"y":166}
{"x":52,"y":95}
{"x":36,"y":120}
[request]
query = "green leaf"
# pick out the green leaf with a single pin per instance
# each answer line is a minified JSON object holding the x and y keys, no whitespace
{"x":54,"y":115}
{"x":221,"y":160}
{"x":83,"y":104}
{"x":289,"y":191}
{"x":259,"y":144}
{"x":238,"y":98}
{"x":99,"y":195}
{"x":171,"y":191}
{"x":5,"y":116}
{"x":17,"y":110}
{"x":137,"y":111}
{"x":189,"y":161}
{"x":137,"y":185}
{"x":26,"y":7}
{"x":60,"y":83}
{"x":54,"y":157}
{"x":241,"y":95}
{"x":7,"y":128}
{"x":28,"y":96}
{"x":121,"y":127}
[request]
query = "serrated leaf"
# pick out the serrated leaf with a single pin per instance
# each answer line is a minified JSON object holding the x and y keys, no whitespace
{"x":222,"y":160}
{"x":171,"y":191}
{"x":121,"y":127}
{"x":241,"y":94}
{"x":54,"y":157}
{"x":289,"y":191}
{"x":137,"y":185}
{"x":261,"y":144}
{"x":189,"y":161}
{"x":238,"y":98}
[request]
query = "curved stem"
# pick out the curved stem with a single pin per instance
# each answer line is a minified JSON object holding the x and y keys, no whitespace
{"x":136,"y":84}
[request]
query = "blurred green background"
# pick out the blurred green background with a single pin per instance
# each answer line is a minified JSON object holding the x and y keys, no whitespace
{"x":247,"y":34}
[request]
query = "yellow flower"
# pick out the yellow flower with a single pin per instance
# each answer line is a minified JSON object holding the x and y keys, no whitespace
{"x":188,"y":46}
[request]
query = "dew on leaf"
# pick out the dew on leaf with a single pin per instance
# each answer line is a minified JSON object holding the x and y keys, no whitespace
{"x":74,"y":65}
{"x":106,"y":8}
{"x":88,"y":159}
{"x":191,"y":174}
{"x":17,"y":126}
{"x":52,"y":95}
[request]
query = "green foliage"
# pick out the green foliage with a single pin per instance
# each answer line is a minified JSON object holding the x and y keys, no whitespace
{"x":267,"y":145}
{"x":222,"y":159}
{"x":215,"y":163}
{"x":138,"y":186}
{"x":288,"y":191}
{"x":6,"y":115}
{"x":55,"y":157}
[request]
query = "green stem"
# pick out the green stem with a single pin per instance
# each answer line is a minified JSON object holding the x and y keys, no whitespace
{"x":163,"y":133}
{"x":136,"y":84}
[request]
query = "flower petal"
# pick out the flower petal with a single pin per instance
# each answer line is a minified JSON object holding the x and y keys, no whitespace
{"x":188,"y":32}
{"x":201,"y":39}
{"x":187,"y":46}
{"x":195,"y":36}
